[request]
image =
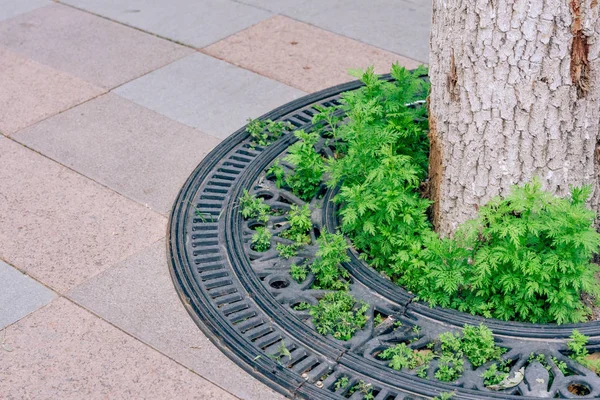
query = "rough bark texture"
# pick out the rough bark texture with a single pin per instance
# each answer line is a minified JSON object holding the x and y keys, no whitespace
{"x":515,"y":94}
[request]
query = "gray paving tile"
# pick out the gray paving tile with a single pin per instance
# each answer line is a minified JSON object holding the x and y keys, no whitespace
{"x":401,"y":26}
{"x":92,"y":48}
{"x":196,"y":23}
{"x":19,"y":295}
{"x":137,"y":152}
{"x":138,"y":296}
{"x":12,"y":8}
{"x":208,"y":94}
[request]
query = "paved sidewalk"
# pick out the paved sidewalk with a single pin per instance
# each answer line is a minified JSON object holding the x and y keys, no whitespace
{"x":106,"y":106}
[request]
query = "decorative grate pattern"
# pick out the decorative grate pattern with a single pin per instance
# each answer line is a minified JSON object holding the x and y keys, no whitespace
{"x":243,"y":300}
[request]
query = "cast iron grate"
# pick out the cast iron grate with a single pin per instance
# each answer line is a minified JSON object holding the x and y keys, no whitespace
{"x":243,"y":300}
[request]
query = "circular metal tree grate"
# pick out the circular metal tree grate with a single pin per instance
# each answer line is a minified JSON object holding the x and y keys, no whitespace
{"x":244,"y":300}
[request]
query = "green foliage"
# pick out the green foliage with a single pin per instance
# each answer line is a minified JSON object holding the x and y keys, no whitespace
{"x":287,"y":250}
{"x":495,"y":374}
{"x":298,"y":272}
{"x":264,"y":132}
{"x":329,"y":274}
{"x":300,"y":224}
{"x":576,"y":345}
{"x":254,"y":207}
{"x":384,"y":161}
{"x":401,"y":356}
{"x":451,"y":364}
{"x":261,"y":240}
{"x":578,"y":351}
{"x":444,"y":396}
{"x":303,"y":306}
{"x":525,"y":257}
{"x":327,"y":120}
{"x":478,"y":345}
{"x":341,"y":383}
{"x":475,"y":344}
{"x":278,"y":172}
{"x":561,"y":365}
{"x":338,"y":314}
{"x":364,"y":388}
{"x":308,"y":165}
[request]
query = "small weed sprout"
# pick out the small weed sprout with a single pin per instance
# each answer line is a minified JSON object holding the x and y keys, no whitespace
{"x":300,"y":224}
{"x":495,"y":374}
{"x":287,"y":251}
{"x":278,"y":172}
{"x":253,"y":207}
{"x":303,"y":306}
{"x":329,"y":274}
{"x":261,"y":240}
{"x":264,"y":132}
{"x":298,"y":272}
{"x":338,"y":314}
{"x":309,"y":165}
{"x":577,"y":345}
{"x":341,"y":383}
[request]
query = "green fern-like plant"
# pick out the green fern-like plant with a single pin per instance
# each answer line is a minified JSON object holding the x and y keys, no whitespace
{"x":327,"y":269}
{"x":525,"y":257}
{"x":339,"y":314}
{"x":308,"y":165}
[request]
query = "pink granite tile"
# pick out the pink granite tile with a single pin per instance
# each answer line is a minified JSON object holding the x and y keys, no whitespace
{"x":301,"y":55}
{"x":31,"y":91}
{"x":95,"y":49}
{"x":61,"y":227}
{"x":64,"y":352}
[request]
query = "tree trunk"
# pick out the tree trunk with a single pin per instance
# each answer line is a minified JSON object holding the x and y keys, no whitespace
{"x":515,"y":93}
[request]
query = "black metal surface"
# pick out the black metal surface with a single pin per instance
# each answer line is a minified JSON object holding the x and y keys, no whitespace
{"x":242,"y":299}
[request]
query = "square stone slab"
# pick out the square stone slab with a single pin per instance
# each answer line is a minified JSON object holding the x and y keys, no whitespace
{"x":103,"y":52}
{"x":12,"y":8}
{"x":302,"y":55}
{"x":19,"y":295}
{"x":196,"y":23}
{"x":205,"y":93}
{"x":64,"y":352}
{"x":400,"y":26}
{"x":61,"y":227}
{"x":137,"y":152}
{"x":138,"y":296}
{"x":30,"y":92}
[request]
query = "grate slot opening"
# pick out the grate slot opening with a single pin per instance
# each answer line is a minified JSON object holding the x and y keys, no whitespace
{"x":217,"y":284}
{"x":206,"y":243}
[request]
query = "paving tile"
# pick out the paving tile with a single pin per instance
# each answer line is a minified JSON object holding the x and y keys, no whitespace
{"x":32,"y":91}
{"x":64,"y":352}
{"x":205,"y":93}
{"x":196,"y":23}
{"x":12,"y":8}
{"x":400,"y":26}
{"x":302,"y":55}
{"x":19,"y":295}
{"x":137,"y":152}
{"x":138,"y":296}
{"x":61,"y":227}
{"x":103,"y":52}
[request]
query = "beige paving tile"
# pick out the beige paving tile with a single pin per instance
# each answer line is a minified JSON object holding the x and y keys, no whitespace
{"x":61,"y":227}
{"x":138,"y":296}
{"x":31,"y":91}
{"x":97,"y":50}
{"x":64,"y":352}
{"x":141,"y":154}
{"x":301,"y":55}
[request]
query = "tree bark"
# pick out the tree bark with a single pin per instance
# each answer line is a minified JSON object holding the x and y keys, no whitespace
{"x":515,"y":93}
